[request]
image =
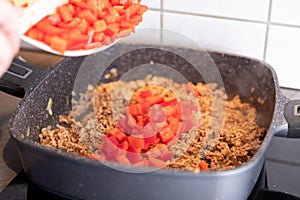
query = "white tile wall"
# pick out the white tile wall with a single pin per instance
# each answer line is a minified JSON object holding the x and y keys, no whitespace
{"x":245,"y":9}
{"x":151,"y":3}
{"x":265,"y":29}
{"x":222,"y":34}
{"x":151,"y":19}
{"x":286,"y":11}
{"x":283,"y":54}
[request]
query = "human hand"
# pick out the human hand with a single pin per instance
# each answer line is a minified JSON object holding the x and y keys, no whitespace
{"x":9,"y":34}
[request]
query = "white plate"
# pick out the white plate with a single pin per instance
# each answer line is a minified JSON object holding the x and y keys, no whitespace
{"x":73,"y":53}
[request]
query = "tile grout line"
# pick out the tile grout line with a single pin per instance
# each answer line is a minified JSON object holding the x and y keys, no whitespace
{"x":161,"y":20}
{"x":215,"y":16}
{"x":267,"y":30}
{"x":223,"y":17}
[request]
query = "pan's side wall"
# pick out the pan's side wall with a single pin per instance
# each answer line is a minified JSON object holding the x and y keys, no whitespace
{"x":83,"y":180}
{"x":252,"y":80}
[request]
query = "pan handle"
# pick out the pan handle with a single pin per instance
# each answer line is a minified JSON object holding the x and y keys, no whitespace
{"x":292,"y":116}
{"x":288,"y":120}
{"x":20,"y":78}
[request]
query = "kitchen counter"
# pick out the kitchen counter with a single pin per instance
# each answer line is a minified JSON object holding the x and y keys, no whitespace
{"x":9,"y":162}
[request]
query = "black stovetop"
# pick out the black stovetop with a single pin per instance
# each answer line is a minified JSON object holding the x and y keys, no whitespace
{"x":279,"y":178}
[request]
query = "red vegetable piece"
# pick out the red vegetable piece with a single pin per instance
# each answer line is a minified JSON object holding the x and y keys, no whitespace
{"x":136,"y":143}
{"x":124,"y":145}
{"x":134,"y":157}
{"x":58,"y":44}
{"x":154,"y":162}
{"x":144,"y":93}
{"x":100,"y":25}
{"x":157,"y":114}
{"x":165,"y":156}
{"x":166,"y":134}
{"x":113,"y":139}
{"x":65,"y":13}
{"x":151,"y":140}
{"x":154,"y":100}
{"x":123,"y":160}
{"x":203,"y":166}
{"x":122,"y":123}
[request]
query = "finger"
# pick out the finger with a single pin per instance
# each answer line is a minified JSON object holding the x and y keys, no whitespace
{"x":6,"y":53}
{"x":9,"y":24}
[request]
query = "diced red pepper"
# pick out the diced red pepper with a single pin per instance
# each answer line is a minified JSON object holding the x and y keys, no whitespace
{"x":58,"y":44}
{"x":65,"y":13}
{"x":157,"y":114}
{"x":124,"y":145}
{"x":203,"y":166}
{"x":113,"y":139}
{"x":100,"y":25}
{"x":134,"y":157}
{"x":154,"y":162}
{"x":123,"y":160}
{"x":136,"y":143}
{"x":144,"y":93}
{"x":151,"y":140}
{"x":166,"y":156}
{"x":121,"y":137}
{"x":166,"y":134}
{"x":154,"y":100}
{"x":136,"y":109}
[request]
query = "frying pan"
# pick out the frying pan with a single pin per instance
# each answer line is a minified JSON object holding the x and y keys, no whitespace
{"x":83,"y":178}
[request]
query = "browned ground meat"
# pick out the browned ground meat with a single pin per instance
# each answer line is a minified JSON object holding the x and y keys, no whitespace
{"x":232,"y":145}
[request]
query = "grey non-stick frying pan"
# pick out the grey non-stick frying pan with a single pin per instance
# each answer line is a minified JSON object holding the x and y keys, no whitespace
{"x":83,"y":178}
